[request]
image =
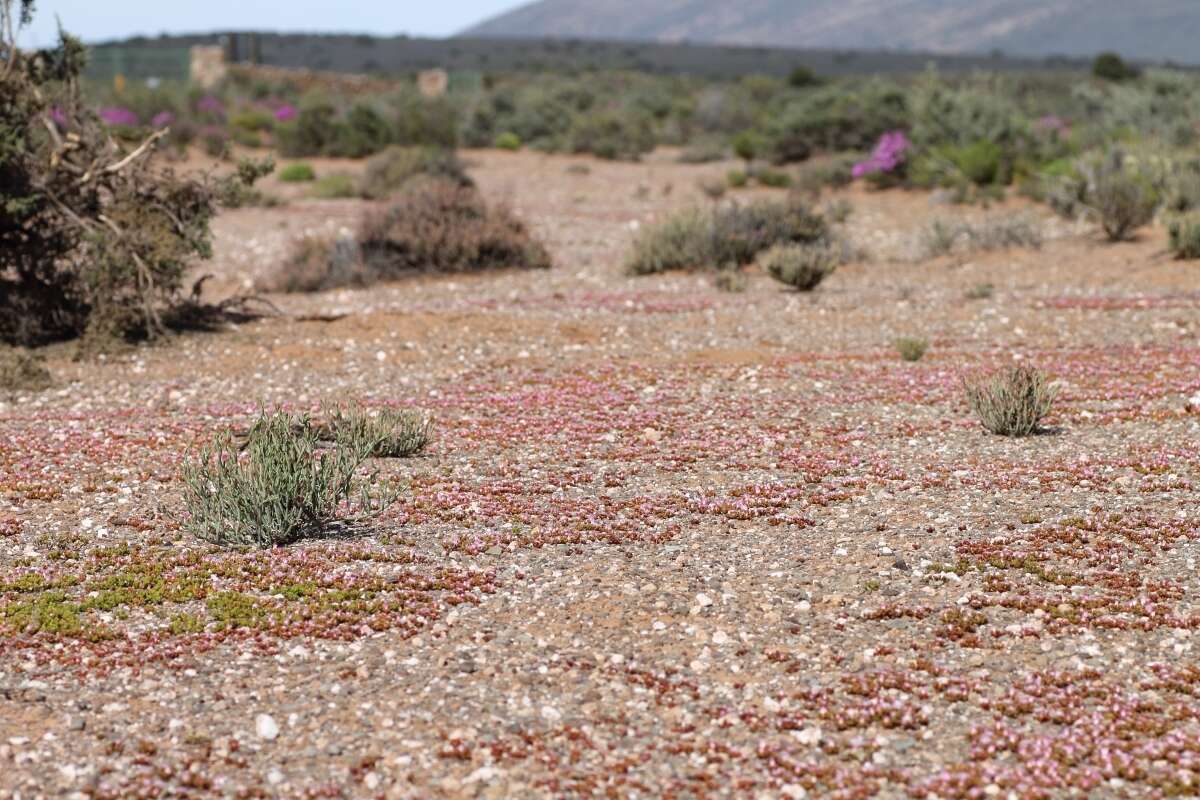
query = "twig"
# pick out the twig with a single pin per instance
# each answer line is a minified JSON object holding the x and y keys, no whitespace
{"x":127,"y":160}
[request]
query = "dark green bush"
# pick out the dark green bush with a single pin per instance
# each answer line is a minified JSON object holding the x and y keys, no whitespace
{"x":314,"y":132}
{"x":1111,"y":67}
{"x":392,"y":169}
{"x":508,"y":141}
{"x":363,"y":132}
{"x":94,"y":235}
{"x":425,"y":122}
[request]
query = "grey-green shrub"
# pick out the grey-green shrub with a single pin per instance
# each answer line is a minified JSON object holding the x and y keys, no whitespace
{"x":334,"y":187}
{"x":1013,"y":402}
{"x":801,"y":266}
{"x":283,"y":488}
{"x":996,"y":232}
{"x":1122,"y":196}
{"x":1183,"y":232}
{"x":724,"y":237}
{"x":390,"y":170}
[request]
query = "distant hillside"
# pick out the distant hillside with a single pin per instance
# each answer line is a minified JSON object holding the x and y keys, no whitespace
{"x":1152,"y":30}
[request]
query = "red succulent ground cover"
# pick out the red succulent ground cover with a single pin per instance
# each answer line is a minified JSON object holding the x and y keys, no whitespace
{"x":668,"y":542}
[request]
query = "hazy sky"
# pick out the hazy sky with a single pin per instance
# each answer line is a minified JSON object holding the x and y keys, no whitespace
{"x":97,"y":20}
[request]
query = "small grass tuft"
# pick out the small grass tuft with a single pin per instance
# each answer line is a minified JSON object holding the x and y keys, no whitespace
{"x":1012,"y":403}
{"x":912,"y":348}
{"x":280,"y":489}
{"x":389,"y":432}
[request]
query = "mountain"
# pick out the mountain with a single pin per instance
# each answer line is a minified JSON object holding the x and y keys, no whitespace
{"x":1150,"y":30}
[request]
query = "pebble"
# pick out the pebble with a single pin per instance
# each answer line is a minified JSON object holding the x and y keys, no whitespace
{"x":266,"y":727}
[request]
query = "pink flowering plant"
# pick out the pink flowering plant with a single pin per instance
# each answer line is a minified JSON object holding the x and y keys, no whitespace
{"x":888,"y":160}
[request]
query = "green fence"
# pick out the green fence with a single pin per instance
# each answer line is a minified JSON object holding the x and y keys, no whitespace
{"x":139,"y":63}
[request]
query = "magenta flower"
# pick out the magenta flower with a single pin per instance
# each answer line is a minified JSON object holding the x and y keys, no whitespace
{"x":889,"y":154}
{"x":119,"y":117}
{"x":285,"y":113}
{"x":210,"y":105}
{"x":58,"y":117}
{"x":162,"y":119}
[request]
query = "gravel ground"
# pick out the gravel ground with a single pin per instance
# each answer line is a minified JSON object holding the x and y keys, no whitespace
{"x":669,"y":542}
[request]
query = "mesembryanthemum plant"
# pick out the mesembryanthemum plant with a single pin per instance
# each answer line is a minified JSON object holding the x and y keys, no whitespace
{"x":280,"y":486}
{"x":1013,"y":402}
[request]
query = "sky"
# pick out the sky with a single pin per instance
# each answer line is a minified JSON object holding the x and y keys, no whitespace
{"x":94,"y":20}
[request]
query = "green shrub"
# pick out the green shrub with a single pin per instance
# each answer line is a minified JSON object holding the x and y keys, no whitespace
{"x":392,"y":169}
{"x":425,"y":122}
{"x":363,"y":133}
{"x":703,"y":152}
{"x":21,"y":371}
{"x":737,"y":178}
{"x":334,"y":187}
{"x":802,"y":78}
{"x":254,"y":121}
{"x":440,"y":225}
{"x":747,"y":145}
{"x":284,"y":489}
{"x":612,"y":135}
{"x":1012,"y":403}
{"x":1111,"y":67}
{"x":835,"y":118}
{"x":801,"y":266}
{"x":1184,"y":235}
{"x":774,"y":178}
{"x":299,"y":172}
{"x":313,"y":132}
{"x":94,"y":236}
{"x":508,"y":141}
{"x":1123,"y":197}
{"x":912,"y":348}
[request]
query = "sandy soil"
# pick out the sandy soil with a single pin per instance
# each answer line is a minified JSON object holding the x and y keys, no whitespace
{"x":669,"y":541}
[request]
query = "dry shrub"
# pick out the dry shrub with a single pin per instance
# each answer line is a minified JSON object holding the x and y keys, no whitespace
{"x":318,"y":263}
{"x":1012,"y":403}
{"x":439,"y":225}
{"x":912,"y":348}
{"x":801,"y":266}
{"x":21,"y":371}
{"x":390,"y":171}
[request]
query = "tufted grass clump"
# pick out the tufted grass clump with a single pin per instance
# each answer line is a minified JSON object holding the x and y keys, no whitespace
{"x":280,"y":487}
{"x":801,"y":266}
{"x":912,"y":348}
{"x":1013,"y":402}
{"x":389,"y":432}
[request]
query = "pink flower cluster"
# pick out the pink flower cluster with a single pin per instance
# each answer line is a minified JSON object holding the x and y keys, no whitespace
{"x":119,"y":117}
{"x":889,"y":154}
{"x":285,"y":113}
